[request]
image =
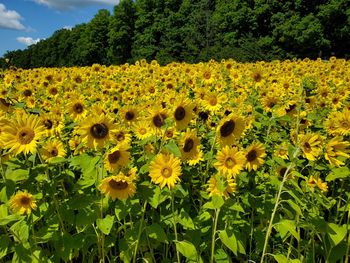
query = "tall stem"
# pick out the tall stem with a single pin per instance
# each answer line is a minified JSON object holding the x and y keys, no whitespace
{"x":217,"y":211}
{"x":175,"y":222}
{"x":140,"y":232}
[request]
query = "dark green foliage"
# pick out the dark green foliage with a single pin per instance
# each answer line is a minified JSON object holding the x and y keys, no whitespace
{"x":198,"y":30}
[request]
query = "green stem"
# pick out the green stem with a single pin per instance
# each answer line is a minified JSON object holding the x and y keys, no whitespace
{"x":348,"y":247}
{"x":140,"y":231}
{"x":217,"y":211}
{"x":175,"y":222}
{"x":269,"y":229}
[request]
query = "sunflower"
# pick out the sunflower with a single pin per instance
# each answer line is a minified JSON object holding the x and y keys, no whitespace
{"x":76,"y":145}
{"x":311,"y":145}
{"x":129,"y":114}
{"x":52,"y":123}
{"x":77,"y":109}
{"x":96,"y":131}
{"x":336,"y":147}
{"x":189,"y":145}
{"x":230,"y":161}
{"x":142,"y":130}
{"x":282,"y":151}
{"x":118,"y":187}
{"x":116,"y":158}
{"x":22,"y":134}
{"x":255,"y":154}
{"x":221,"y":186}
{"x":157,"y":119}
{"x":53,"y":148}
{"x":165,"y":169}
{"x":230,"y":129}
{"x":22,"y":203}
{"x":121,"y":136}
{"x":183,"y":113}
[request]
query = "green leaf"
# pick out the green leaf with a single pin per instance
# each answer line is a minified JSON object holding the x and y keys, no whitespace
{"x":9,"y":219}
{"x":287,"y":226}
{"x":4,"y":244}
{"x":21,"y":231}
{"x":338,"y":173}
{"x":185,"y":220}
{"x":155,"y":231}
{"x":17,"y":175}
{"x":173,"y":148}
{"x":221,"y":256}
{"x":336,"y":233}
{"x":105,"y":224}
{"x":229,"y":241}
{"x":217,"y":201}
{"x":294,"y":206}
{"x":187,"y":249}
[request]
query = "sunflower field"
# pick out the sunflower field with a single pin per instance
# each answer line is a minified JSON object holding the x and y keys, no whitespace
{"x":209,"y":162}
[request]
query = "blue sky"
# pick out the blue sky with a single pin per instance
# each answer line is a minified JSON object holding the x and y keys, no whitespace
{"x":23,"y":22}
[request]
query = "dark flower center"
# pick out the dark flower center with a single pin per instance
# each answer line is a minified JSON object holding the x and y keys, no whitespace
{"x":227,"y":128}
{"x":251,"y":156}
{"x":117,"y":185}
{"x":25,"y":136}
{"x":180,"y":113}
{"x":78,"y":108}
{"x":114,"y":157}
{"x":27,"y":93}
{"x":307,"y":146}
{"x":189,"y":143}
{"x":99,"y":130}
{"x":158,"y":120}
{"x":54,"y":152}
{"x":283,"y":171}
{"x":129,"y":115}
{"x":48,"y":124}
{"x":25,"y":201}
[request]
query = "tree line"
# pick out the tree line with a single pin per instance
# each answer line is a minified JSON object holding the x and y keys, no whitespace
{"x":197,"y":30}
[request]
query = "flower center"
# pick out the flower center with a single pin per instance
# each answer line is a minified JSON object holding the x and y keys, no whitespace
{"x":189,"y":143}
{"x":166,"y":172}
{"x":180,"y":113}
{"x":213,"y":101}
{"x":114,"y":157}
{"x":142,"y":131}
{"x":54,"y":152}
{"x":25,"y":136}
{"x":129,"y":115}
{"x":117,"y":185}
{"x":158,"y":120}
{"x":227,"y":128}
{"x":78,"y":108}
{"x":251,"y":156}
{"x":229,"y":162}
{"x":307,"y":147}
{"x":99,"y":131}
{"x":120,"y":136}
{"x":27,"y":93}
{"x":48,"y":124}
{"x":283,"y":171}
{"x":25,"y":201}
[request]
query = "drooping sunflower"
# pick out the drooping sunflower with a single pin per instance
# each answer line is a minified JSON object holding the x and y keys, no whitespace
{"x":118,"y":187}
{"x":116,"y":158}
{"x":335,"y":148}
{"x":96,"y":131}
{"x":189,"y":145}
{"x":311,"y":145}
{"x":22,"y":203}
{"x":230,"y":129}
{"x":53,"y":148}
{"x":165,"y":169}
{"x":183,"y":113}
{"x":255,"y":155}
{"x":230,"y":161}
{"x":221,"y":186}
{"x":22,"y":134}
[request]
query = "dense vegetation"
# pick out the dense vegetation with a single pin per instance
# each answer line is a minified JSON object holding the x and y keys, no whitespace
{"x":199,"y":30}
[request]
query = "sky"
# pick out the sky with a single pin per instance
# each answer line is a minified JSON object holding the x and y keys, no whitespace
{"x":25,"y":22}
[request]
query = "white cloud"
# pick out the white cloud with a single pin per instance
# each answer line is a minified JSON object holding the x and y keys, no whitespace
{"x":71,"y":4}
{"x":10,"y":19}
{"x":68,"y":27}
{"x":27,"y":40}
